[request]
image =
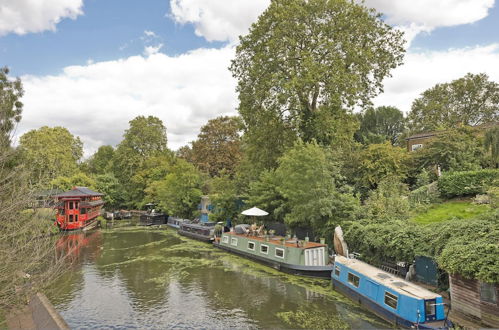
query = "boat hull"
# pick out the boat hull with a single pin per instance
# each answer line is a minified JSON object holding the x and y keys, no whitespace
{"x":310,"y":271}
{"x":88,"y":225}
{"x":382,"y":312}
{"x":199,"y":237}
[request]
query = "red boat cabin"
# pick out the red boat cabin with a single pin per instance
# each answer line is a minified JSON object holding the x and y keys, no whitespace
{"x":77,"y":208}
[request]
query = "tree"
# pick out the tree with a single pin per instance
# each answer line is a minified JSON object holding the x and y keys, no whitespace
{"x":380,"y":124}
{"x":310,"y":184}
{"x":11,"y":107}
{"x":471,"y":100}
{"x":101,"y":161}
{"x":378,"y":162}
{"x":304,"y":63}
{"x":388,"y":201}
{"x":145,"y":138}
{"x":113,"y":192}
{"x":78,"y":179}
{"x":218,"y":146}
{"x":224,"y":198}
{"x":50,"y":152}
{"x":179,"y":192}
{"x":452,"y":150}
{"x":491,"y":143}
{"x":153,"y":169}
{"x":264,"y":193}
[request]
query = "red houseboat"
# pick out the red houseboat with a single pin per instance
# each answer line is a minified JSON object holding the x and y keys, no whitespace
{"x":77,"y":208}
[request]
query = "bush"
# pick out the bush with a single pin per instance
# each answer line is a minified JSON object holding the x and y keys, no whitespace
{"x":454,"y":184}
{"x":425,"y":195}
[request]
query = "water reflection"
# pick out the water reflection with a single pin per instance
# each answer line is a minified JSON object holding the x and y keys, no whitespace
{"x":156,"y":279}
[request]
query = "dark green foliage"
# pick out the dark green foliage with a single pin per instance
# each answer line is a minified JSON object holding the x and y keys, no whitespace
{"x":112,"y":190}
{"x":264,"y":193}
{"x":101,"y":161}
{"x":466,"y":183}
{"x":471,"y":100}
{"x":379,"y":125}
{"x":453,"y":150}
{"x":223,"y":197}
{"x":302,"y":65}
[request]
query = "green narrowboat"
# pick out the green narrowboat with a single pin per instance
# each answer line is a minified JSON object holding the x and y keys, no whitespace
{"x":291,"y":256}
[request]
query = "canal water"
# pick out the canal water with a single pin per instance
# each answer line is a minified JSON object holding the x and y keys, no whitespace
{"x":153,"y":278}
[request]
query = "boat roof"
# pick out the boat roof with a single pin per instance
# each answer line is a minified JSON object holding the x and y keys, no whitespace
{"x":277,"y":241}
{"x":79,"y":192}
{"x":389,"y":280}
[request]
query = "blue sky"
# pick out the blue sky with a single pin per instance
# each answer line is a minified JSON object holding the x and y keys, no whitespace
{"x":103,"y":62}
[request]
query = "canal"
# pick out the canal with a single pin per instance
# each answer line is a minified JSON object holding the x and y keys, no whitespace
{"x":153,"y":278}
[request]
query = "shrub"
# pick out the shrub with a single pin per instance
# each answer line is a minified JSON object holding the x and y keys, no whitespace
{"x":454,"y":184}
{"x":425,"y":195}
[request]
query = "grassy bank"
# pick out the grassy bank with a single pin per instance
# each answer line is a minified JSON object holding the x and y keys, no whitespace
{"x":450,"y":210}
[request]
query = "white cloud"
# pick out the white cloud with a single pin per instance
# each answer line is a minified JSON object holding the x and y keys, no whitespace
{"x":223,"y":20}
{"x":426,"y":69}
{"x":218,"y":20}
{"x":150,"y":33}
{"x":414,"y":17}
{"x":151,"y":50}
{"x":96,"y":101}
{"x":25,"y":16}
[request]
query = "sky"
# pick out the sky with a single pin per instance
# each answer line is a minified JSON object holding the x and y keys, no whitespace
{"x":94,"y":65}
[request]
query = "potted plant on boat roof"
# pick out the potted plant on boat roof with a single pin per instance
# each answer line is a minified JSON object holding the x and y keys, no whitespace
{"x":272,"y":232}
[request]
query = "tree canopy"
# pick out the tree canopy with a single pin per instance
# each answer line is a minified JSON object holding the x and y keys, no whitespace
{"x":101,"y":161}
{"x":217,"y":147}
{"x":50,"y":152}
{"x":471,"y":100}
{"x":304,"y":62}
{"x":380,"y":124}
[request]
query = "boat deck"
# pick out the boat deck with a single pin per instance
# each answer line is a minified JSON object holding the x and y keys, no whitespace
{"x":387,"y":279}
{"x":276,"y":240}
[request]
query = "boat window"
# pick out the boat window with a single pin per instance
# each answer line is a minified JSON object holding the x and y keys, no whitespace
{"x":225,"y":239}
{"x":264,"y":249}
{"x":353,"y":280}
{"x":233,"y":241}
{"x":279,"y":253}
{"x":391,"y":300}
{"x":429,"y":307}
{"x":70,"y":218}
{"x":488,"y":293}
{"x":76,"y":217}
{"x":76,"y":205}
{"x":61,"y":212}
{"x":251,"y":246}
{"x":83,"y":211}
{"x":337,"y":271}
{"x":70,"y":205}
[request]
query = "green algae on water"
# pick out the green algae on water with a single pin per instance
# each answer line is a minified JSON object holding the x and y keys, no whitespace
{"x":310,"y":319}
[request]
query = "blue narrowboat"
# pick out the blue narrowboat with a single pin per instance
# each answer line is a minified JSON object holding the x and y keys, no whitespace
{"x":398,"y":301}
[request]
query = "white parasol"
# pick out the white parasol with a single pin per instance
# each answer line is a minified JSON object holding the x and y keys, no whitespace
{"x":255,"y":212}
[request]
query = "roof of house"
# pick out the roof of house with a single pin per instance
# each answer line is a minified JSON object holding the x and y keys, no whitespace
{"x":433,"y":133}
{"x":79,"y":192}
{"x":393,"y":282}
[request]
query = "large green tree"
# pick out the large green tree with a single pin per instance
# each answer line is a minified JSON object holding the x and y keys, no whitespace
{"x":144,"y":139}
{"x":491,"y":144}
{"x":380,"y":124}
{"x":311,"y":184}
{"x":11,"y":106}
{"x":471,"y":100}
{"x":453,"y":150}
{"x":218,"y":146}
{"x":101,"y":160}
{"x":180,"y":191}
{"x":50,"y":152}
{"x":304,"y":63}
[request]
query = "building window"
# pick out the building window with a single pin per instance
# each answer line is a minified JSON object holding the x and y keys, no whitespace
{"x":76,"y":217}
{"x":233,"y":241}
{"x":225,"y":239}
{"x":336,"y":271}
{"x":251,"y":246}
{"x":488,"y":293}
{"x":264,"y":249}
{"x":353,"y":280}
{"x":415,"y":147}
{"x":391,"y":300}
{"x":279,"y":253}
